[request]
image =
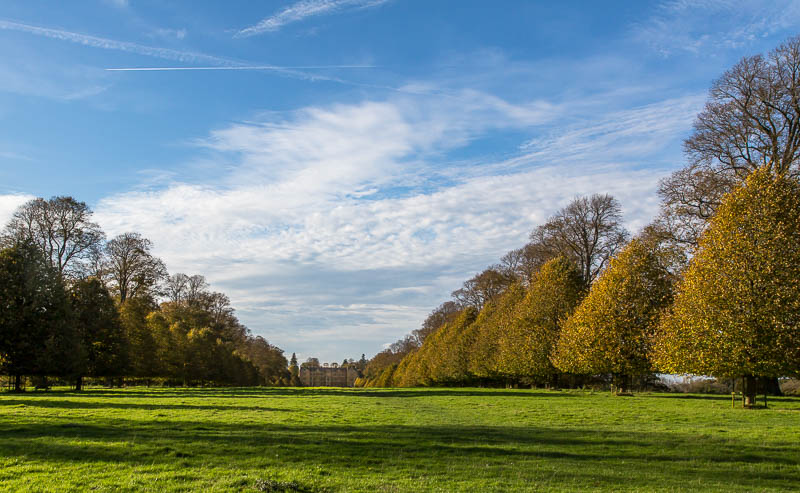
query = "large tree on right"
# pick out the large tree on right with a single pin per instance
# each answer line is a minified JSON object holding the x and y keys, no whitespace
{"x":737,"y":311}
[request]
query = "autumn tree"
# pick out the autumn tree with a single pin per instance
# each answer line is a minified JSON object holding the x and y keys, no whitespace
{"x":480,"y":341}
{"x":737,"y":310}
{"x":268,"y":359}
{"x":61,"y":228}
{"x":449,"y":355}
{"x":611,"y":330}
{"x":588,"y":231}
{"x":525,"y":348}
{"x":131,"y":267}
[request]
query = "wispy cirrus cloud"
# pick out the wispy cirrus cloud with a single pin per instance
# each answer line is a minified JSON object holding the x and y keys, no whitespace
{"x":211,"y":62}
{"x":303,"y":10}
{"x":712,"y":25}
{"x":111,"y":44}
{"x":321,"y":207}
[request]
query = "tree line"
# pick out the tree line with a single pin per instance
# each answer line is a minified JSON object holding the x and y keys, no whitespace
{"x":73,"y":305}
{"x":711,"y":286}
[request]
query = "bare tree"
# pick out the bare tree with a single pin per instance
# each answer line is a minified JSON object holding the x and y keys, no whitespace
{"x":523,"y":263}
{"x":196,"y":288}
{"x":130,"y":267}
{"x":482,"y":288}
{"x":588,"y":231}
{"x":62,"y":229}
{"x":405,"y":345}
{"x":191,"y":289}
{"x":175,"y":287}
{"x":751,"y":119}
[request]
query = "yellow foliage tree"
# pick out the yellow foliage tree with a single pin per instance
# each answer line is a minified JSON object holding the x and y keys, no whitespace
{"x":737,"y":311}
{"x":493,"y":323}
{"x":611,"y":330}
{"x":443,"y":358}
{"x":524,"y":349}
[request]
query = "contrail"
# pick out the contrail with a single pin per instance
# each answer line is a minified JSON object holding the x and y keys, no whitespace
{"x":246,"y":67}
{"x":112,"y":44}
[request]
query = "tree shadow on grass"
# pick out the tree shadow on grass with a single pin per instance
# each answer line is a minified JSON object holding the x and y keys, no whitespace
{"x":268,"y":392}
{"x":616,"y":460}
{"x":154,"y":406}
{"x":720,"y":397}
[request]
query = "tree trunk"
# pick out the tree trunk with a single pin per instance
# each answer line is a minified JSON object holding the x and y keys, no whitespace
{"x":79,"y":383}
{"x":750,"y":389}
{"x":770,"y":385}
{"x":17,"y":383}
{"x":622,"y":383}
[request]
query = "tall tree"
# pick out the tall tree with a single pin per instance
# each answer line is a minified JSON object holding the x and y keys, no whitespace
{"x":737,"y":310}
{"x":612,"y":328}
{"x":62,"y":229}
{"x":587,"y":231}
{"x":131,"y":267}
{"x":35,"y":318}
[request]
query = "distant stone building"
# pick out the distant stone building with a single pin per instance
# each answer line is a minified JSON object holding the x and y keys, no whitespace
{"x":328,"y":376}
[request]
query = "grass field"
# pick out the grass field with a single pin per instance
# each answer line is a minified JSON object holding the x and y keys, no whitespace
{"x":393,"y":441}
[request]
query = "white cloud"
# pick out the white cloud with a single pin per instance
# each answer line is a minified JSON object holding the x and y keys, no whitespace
{"x":8,"y":204}
{"x":302,"y":10}
{"x":356,"y":218}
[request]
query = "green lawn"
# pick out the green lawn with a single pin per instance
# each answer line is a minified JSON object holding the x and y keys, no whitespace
{"x":393,"y":440}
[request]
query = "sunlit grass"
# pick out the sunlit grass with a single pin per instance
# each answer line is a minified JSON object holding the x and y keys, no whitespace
{"x":393,"y":440}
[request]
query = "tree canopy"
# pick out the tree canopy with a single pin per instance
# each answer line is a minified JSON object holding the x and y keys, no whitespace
{"x":737,"y":310}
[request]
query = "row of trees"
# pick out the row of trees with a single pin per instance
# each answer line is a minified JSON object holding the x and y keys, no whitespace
{"x":73,"y":305}
{"x":711,"y":287}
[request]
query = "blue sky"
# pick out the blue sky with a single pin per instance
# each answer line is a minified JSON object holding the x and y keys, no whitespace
{"x":385,"y":151}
